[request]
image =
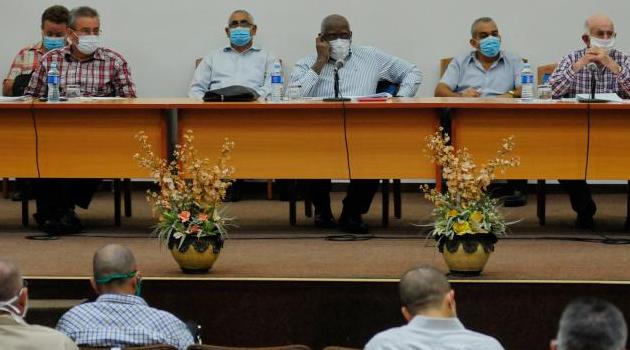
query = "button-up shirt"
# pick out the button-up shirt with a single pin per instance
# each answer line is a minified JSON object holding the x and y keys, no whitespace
{"x":26,"y":60}
{"x":226,"y":67}
{"x":428,"y":333}
{"x":363,"y":69}
{"x":105,"y":73}
{"x":567,"y":83}
{"x":466,"y":71}
{"x":122,"y":319}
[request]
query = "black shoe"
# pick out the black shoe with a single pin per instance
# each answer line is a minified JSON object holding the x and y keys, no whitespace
{"x":70,"y":223}
{"x":518,"y":199}
{"x":352,"y":224}
{"x":585,"y":222}
{"x":325,"y":221}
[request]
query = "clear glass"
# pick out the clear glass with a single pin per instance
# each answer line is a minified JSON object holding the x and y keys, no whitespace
{"x":294,"y":93}
{"x":73,"y":91}
{"x":544,"y":92}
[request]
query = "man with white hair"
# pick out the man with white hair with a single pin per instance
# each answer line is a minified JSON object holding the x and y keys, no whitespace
{"x":15,"y":333}
{"x":591,"y":324}
{"x":572,"y":77}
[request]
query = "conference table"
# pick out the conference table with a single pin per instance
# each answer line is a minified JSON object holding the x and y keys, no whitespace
{"x":312,"y":139}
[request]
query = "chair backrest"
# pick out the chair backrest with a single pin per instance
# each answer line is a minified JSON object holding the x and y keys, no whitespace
{"x":544,"y":72}
{"x":387,"y":86}
{"x":197,"y":61}
{"x":215,"y":347}
{"x":20,"y":83}
{"x":444,"y":62}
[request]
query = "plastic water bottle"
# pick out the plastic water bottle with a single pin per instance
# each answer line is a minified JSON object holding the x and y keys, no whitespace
{"x":53,"y":83}
{"x":527,"y":82}
{"x":276,"y":82}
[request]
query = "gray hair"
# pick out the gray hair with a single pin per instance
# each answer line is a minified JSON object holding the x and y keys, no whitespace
{"x":331,"y":20}
{"x":113,"y":259}
{"x":245,"y":12}
{"x":474,"y":25}
{"x":83,"y":11}
{"x":10,"y":280}
{"x":422,"y":288}
{"x":592,"y":324}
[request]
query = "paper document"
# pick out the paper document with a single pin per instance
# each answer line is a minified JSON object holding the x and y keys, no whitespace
{"x":99,"y":98}
{"x":380,"y":94}
{"x":612,"y":97}
{"x":13,"y":98}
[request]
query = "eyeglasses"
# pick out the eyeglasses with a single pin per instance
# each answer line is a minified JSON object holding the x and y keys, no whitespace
{"x":241,"y":23}
{"x":88,"y":31}
{"x":335,"y":36}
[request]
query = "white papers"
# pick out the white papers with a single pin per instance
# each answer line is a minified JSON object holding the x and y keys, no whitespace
{"x":379,"y":95}
{"x":610,"y":97}
{"x":13,"y":98}
{"x":98,"y":98}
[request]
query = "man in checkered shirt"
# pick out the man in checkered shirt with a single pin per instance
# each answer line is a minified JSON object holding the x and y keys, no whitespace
{"x":98,"y":71}
{"x":572,"y":77}
{"x":119,"y":316}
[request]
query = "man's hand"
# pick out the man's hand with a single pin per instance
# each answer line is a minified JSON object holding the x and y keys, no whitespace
{"x":471,"y":92}
{"x":323,"y":54}
{"x":601,"y":56}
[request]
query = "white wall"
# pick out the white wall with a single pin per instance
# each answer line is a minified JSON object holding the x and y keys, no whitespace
{"x":161,"y":38}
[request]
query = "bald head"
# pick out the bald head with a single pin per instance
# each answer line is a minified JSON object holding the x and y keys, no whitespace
{"x":423,"y":288}
{"x":240,"y":15}
{"x":334,"y":23}
{"x":113,"y":259}
{"x":598,"y":24}
{"x":10,"y":280}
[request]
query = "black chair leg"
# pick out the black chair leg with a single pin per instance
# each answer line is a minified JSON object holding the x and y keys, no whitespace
{"x":117,"y":202}
{"x":627,"y":225}
{"x":385,"y":198}
{"x":541,"y":201}
{"x":397,"y":198}
{"x":25,"y":209}
{"x":127,"y":194}
{"x":308,"y":205}
{"x":292,"y":202}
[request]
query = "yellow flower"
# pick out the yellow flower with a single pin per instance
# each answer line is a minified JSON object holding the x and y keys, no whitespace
{"x":476,"y":216}
{"x":462,"y":227}
{"x":452,"y":213}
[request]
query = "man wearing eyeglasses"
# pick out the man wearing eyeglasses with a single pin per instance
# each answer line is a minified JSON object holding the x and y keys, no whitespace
{"x":120,"y":316}
{"x":363,"y":68}
{"x":98,"y":71}
{"x":53,"y":30}
{"x":239,"y":63}
{"x":15,"y":333}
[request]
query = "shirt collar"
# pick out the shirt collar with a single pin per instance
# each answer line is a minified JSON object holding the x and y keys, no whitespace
{"x":228,"y":48}
{"x":97,"y":55}
{"x":473,"y":57}
{"x":436,"y":324}
{"x":121,"y":299}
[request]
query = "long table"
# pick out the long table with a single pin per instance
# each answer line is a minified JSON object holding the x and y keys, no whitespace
{"x":313,"y":139}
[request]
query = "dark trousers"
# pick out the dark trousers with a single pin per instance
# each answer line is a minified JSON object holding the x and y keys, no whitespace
{"x":580,"y":196}
{"x":517,"y":185}
{"x":56,"y":196}
{"x":358,"y":198}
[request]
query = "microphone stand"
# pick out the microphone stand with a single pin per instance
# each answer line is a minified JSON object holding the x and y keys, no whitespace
{"x":593,"y":84}
{"x":337,"y":97}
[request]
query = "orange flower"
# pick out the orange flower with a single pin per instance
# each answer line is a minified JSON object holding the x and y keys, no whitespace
{"x":202,"y":217}
{"x":184,"y":216}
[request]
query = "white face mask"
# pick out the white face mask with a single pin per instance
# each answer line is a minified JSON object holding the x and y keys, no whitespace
{"x":339,"y":49}
{"x":88,"y":44}
{"x":606,"y":44}
{"x":12,"y":309}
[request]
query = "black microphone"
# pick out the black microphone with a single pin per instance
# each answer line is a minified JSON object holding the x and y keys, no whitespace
{"x":592,"y":67}
{"x":338,"y":65}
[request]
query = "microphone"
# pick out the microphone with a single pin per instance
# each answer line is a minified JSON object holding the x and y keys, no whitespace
{"x":338,"y":65}
{"x":592,"y":67}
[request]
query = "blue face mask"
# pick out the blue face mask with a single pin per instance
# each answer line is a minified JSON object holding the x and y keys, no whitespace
{"x":51,"y":43}
{"x":240,"y":36}
{"x":490,"y":46}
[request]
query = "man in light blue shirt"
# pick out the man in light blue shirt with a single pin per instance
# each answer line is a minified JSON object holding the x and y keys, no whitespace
{"x":487,"y":71}
{"x":428,"y":304}
{"x":363,"y":68}
{"x":240,"y":63}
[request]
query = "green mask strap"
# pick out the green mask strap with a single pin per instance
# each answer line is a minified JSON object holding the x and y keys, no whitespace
{"x":120,"y":276}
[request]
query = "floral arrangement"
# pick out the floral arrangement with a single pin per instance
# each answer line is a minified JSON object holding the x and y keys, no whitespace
{"x":191,"y":192}
{"x":466,"y":209}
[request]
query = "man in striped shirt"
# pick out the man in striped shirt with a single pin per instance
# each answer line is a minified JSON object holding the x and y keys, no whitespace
{"x":572,"y":77}
{"x":363,"y":68}
{"x":53,"y":30}
{"x":98,"y":71}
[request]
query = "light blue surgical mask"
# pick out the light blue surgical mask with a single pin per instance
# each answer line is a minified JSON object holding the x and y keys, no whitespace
{"x":490,"y":46}
{"x":240,"y":36}
{"x":51,"y":43}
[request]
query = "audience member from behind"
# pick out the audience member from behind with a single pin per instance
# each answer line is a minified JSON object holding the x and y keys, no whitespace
{"x":15,"y":333}
{"x":119,"y":316}
{"x":591,"y":324}
{"x":428,"y":304}
{"x":53,"y":26}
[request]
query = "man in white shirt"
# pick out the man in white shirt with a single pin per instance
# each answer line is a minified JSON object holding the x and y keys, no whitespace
{"x":239,"y":63}
{"x":428,"y":304}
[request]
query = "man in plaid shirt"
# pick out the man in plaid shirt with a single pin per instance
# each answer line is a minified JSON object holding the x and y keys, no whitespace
{"x":98,"y":71}
{"x":572,"y":77}
{"x":119,"y":316}
{"x":54,"y":30}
